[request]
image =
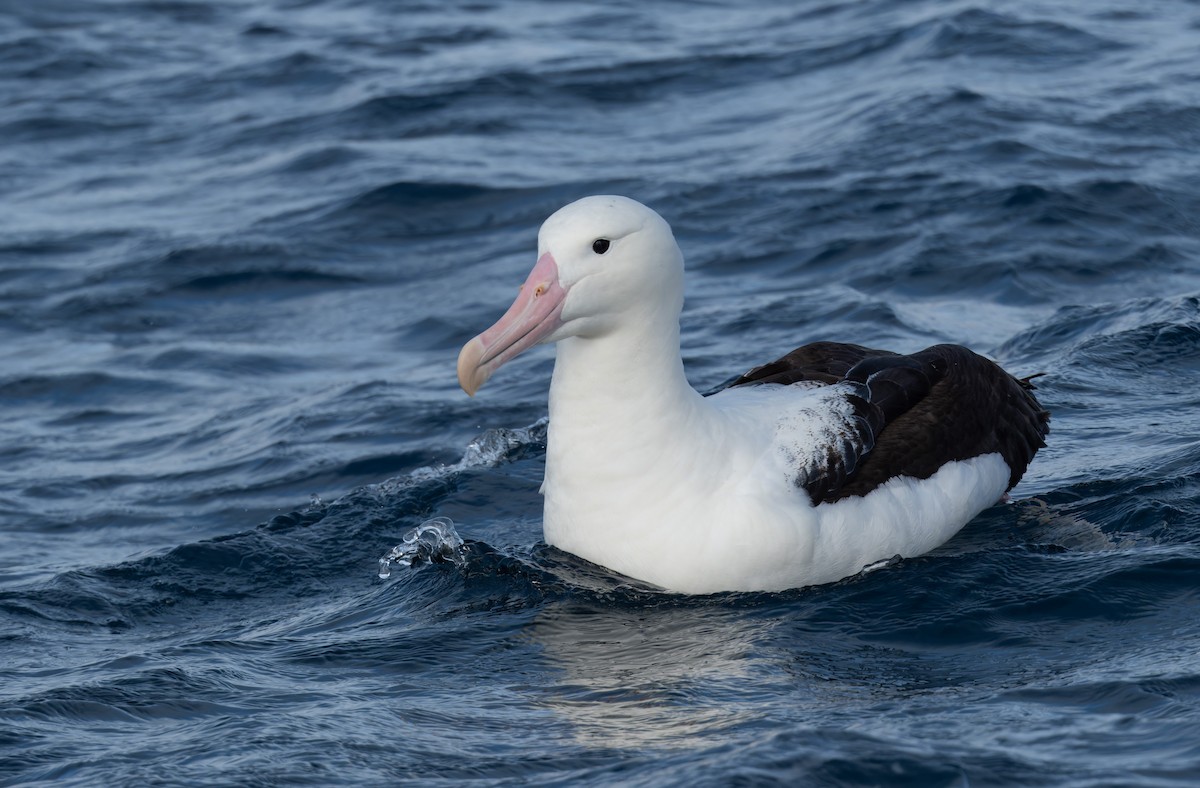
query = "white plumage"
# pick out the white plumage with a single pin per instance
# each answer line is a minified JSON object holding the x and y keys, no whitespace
{"x":694,"y":494}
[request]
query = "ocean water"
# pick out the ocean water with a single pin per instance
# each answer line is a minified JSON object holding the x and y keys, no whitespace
{"x":242,"y":241}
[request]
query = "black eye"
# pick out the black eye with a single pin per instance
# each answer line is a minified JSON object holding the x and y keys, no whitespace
{"x":600,"y":245}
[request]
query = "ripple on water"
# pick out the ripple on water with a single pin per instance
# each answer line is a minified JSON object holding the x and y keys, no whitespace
{"x":243,"y":241}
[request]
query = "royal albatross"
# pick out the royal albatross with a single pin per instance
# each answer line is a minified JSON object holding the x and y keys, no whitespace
{"x":802,"y":471}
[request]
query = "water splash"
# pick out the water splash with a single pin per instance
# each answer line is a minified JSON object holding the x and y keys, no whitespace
{"x":490,"y":449}
{"x":885,"y":563}
{"x":433,"y":541}
{"x":497,"y":446}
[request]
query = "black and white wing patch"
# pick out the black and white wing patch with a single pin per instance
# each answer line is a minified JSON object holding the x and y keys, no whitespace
{"x":910,"y":415}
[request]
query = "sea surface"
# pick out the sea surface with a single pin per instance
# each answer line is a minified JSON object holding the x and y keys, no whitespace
{"x":241,"y":242}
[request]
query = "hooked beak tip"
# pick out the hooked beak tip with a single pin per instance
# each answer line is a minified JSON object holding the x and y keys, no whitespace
{"x":470,"y":374}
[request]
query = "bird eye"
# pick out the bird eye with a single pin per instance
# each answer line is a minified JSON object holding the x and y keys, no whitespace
{"x":600,"y":245}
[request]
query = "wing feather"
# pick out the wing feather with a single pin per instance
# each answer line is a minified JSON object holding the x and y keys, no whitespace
{"x":912,"y":413}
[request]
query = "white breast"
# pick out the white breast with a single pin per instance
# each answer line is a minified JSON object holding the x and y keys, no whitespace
{"x":715,"y":506}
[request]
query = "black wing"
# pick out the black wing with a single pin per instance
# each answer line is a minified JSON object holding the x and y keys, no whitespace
{"x":823,"y":362}
{"x":913,"y":413}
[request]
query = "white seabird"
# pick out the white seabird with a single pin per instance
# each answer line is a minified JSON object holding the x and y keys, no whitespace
{"x":802,"y":471}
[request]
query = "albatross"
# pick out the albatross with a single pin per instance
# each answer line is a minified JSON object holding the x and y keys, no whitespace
{"x":800,"y":472}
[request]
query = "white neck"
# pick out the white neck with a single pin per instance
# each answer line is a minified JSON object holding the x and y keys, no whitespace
{"x":622,"y":423}
{"x":621,"y":392}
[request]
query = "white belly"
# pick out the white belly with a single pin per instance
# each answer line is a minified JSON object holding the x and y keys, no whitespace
{"x":760,"y":535}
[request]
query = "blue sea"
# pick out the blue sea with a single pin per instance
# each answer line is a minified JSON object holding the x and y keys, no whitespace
{"x":241,"y":242}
